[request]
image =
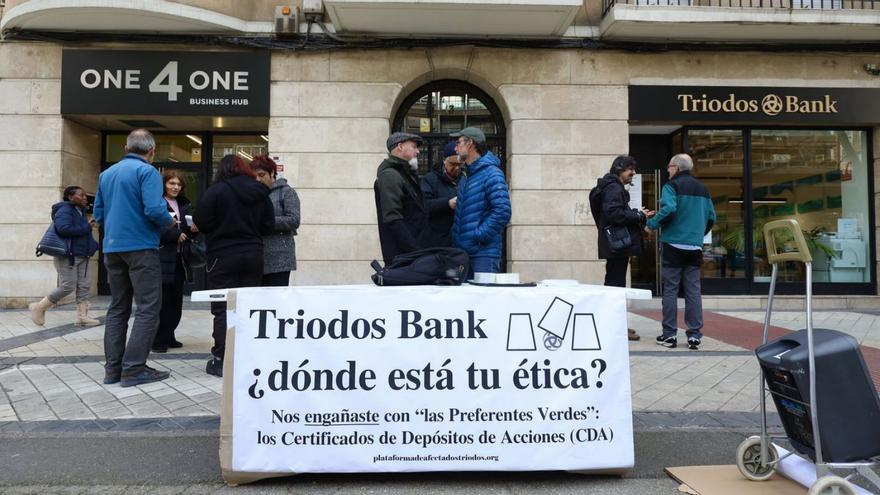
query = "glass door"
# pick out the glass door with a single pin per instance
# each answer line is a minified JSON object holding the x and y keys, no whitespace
{"x":719,"y":164}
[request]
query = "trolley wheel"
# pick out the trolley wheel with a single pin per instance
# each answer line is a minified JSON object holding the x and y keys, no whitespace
{"x":748,"y":459}
{"x":832,"y":485}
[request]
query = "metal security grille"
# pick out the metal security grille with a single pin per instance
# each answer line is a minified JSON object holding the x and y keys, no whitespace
{"x":442,"y":107}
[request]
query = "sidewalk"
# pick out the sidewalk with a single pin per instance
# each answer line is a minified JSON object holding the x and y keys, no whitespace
{"x":54,"y":372}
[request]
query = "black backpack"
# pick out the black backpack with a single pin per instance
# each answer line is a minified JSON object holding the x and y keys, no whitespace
{"x":596,"y":202}
{"x":432,"y":266}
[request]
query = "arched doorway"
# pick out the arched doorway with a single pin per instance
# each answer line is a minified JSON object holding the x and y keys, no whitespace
{"x":439,"y":108}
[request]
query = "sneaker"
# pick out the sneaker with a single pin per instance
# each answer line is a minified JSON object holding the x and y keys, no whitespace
{"x":111,"y":377}
{"x":214,"y":367}
{"x":670,"y":342}
{"x":632,"y":335}
{"x":693,"y":343}
{"x":146,"y":375}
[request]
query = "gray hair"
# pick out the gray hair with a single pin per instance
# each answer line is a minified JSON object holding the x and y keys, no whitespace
{"x":683,"y":162}
{"x":140,"y":142}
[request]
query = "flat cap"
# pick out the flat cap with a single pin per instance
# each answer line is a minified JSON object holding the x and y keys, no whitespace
{"x":471,"y":133}
{"x":401,"y":137}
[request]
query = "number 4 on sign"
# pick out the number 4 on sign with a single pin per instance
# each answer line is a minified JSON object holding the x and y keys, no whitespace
{"x":166,"y":81}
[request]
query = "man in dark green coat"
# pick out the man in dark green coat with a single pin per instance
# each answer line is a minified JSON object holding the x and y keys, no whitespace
{"x":400,"y":209}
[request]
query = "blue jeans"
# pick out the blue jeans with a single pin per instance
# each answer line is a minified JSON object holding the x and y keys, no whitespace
{"x":483,"y":264}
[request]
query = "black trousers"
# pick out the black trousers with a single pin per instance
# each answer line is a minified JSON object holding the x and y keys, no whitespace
{"x":229,"y":272}
{"x":615,"y":271}
{"x":278,"y":279}
{"x":172,"y":308}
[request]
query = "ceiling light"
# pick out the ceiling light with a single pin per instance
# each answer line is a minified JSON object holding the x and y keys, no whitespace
{"x":265,"y":138}
{"x":195,"y":139}
{"x":246,"y":155}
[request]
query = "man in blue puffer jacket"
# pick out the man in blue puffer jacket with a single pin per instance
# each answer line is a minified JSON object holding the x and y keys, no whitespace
{"x":483,"y":208}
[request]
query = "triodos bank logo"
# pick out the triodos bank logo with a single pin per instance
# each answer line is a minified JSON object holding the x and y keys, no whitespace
{"x":771,"y":105}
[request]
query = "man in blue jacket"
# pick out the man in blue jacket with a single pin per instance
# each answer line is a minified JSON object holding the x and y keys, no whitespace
{"x":483,"y":206}
{"x":130,"y":208}
{"x":686,"y":215}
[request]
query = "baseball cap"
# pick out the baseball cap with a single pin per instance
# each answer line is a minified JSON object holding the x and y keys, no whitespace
{"x":400,"y":137}
{"x":471,"y":133}
{"x":449,"y":149}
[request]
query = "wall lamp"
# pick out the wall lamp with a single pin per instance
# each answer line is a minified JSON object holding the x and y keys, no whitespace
{"x":872,"y":69}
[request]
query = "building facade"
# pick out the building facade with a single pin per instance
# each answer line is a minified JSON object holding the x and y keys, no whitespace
{"x":779,"y":113}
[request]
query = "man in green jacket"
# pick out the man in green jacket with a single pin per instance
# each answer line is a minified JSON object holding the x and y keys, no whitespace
{"x":400,"y":208}
{"x":686,"y":215}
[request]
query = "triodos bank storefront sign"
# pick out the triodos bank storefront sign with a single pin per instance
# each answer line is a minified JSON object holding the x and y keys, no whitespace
{"x":109,"y":82}
{"x":753,"y":104}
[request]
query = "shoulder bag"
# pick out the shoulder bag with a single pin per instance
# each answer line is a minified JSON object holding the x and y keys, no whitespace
{"x":53,"y":244}
{"x":618,"y":238}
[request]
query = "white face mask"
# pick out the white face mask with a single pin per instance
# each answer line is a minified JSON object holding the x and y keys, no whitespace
{"x":414,"y":163}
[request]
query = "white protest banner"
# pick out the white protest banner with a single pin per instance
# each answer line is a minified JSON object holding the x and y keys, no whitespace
{"x":365,"y":379}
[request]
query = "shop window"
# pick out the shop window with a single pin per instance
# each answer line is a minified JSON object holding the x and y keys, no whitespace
{"x":718,"y":163}
{"x":170,"y":148}
{"x":819,"y":178}
{"x":244,"y":146}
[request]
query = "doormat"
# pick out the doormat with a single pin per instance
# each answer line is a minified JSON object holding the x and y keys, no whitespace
{"x":726,"y":480}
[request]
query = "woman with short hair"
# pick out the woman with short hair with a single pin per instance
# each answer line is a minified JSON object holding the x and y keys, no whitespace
{"x":72,"y":223}
{"x":279,"y":248}
{"x":234,"y":214}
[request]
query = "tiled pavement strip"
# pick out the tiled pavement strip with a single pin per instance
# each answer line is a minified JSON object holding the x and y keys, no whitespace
{"x":50,"y":378}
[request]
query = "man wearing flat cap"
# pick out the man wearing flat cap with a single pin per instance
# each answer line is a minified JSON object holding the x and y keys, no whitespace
{"x":400,"y":208}
{"x":483,"y":208}
{"x":440,"y":189}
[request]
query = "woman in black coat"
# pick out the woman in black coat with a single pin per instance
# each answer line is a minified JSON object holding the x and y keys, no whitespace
{"x":175,"y":267}
{"x":234,"y":214}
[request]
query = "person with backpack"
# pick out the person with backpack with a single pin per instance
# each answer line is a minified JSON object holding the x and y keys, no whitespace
{"x":400,"y":208}
{"x":618,"y":223}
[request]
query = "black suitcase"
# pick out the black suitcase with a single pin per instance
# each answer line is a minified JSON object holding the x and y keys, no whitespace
{"x":849,"y":409}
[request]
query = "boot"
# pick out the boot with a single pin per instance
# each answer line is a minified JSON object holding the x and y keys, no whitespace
{"x":82,"y":316}
{"x":38,"y":310}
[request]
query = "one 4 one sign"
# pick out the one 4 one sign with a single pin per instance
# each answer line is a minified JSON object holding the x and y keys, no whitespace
{"x":359,"y":379}
{"x":165,"y":83}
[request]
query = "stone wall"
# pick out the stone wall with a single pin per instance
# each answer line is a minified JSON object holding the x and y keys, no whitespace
{"x":40,"y":154}
{"x":566,"y":114}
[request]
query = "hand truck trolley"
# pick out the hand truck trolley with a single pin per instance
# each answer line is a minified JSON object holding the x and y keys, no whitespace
{"x":821,"y":387}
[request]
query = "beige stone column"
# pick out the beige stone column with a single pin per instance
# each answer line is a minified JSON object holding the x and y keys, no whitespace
{"x":40,"y":154}
{"x":562,"y":137}
{"x":329,"y":123}
{"x":30,"y":165}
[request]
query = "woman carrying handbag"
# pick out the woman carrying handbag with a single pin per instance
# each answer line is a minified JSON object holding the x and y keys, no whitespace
{"x":71,"y":223}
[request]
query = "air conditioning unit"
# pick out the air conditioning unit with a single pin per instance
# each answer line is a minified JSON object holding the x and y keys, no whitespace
{"x":286,"y":19}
